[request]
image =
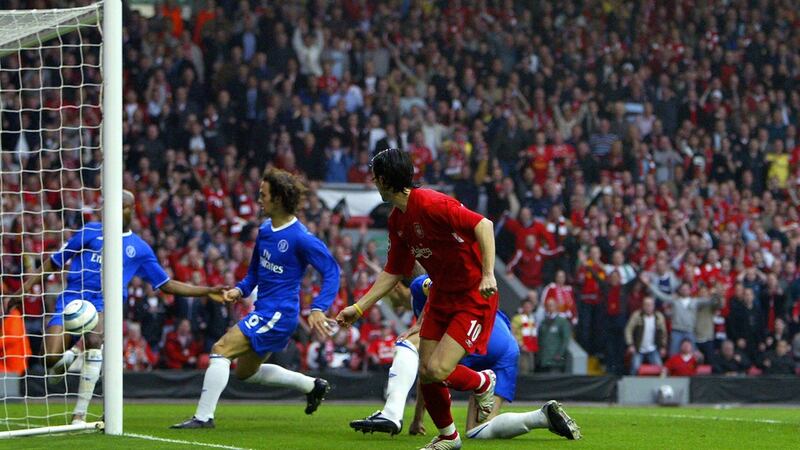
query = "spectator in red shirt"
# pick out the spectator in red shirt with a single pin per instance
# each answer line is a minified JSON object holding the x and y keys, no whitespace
{"x":421,"y":156}
{"x":539,"y":156}
{"x":371,"y":328}
{"x":528,"y":262}
{"x":590,"y":308}
{"x":615,"y":296}
{"x":181,"y":348}
{"x":342,"y":297}
{"x":381,"y":351}
{"x":136,"y":352}
{"x":562,"y":293}
{"x":172,"y":12}
{"x":362,"y":284}
{"x":683,"y":363}
{"x":360,"y":172}
{"x":523,"y":325}
{"x":525,"y":224}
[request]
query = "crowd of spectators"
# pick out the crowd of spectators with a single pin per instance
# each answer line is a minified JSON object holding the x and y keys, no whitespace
{"x":640,"y":161}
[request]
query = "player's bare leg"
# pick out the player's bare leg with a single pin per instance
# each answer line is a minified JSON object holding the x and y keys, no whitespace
{"x":401,"y":379}
{"x":472,"y":411}
{"x":90,"y":372}
{"x":56,"y":360}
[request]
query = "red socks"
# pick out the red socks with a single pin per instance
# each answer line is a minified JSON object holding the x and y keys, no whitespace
{"x":465,"y":379}
{"x":437,"y":395}
{"x":437,"y":402}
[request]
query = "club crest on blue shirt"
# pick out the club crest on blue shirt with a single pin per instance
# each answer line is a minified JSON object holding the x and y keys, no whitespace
{"x":130,"y":251}
{"x":283,"y":245}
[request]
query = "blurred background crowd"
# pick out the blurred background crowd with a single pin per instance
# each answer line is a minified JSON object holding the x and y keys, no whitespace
{"x":639,"y":160}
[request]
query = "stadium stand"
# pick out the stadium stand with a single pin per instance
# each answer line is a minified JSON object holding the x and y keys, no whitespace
{"x":638,"y":137}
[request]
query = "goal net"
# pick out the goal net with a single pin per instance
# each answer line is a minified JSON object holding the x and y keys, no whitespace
{"x":51,"y":186}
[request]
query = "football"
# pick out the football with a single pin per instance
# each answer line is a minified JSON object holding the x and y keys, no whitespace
{"x":80,"y":316}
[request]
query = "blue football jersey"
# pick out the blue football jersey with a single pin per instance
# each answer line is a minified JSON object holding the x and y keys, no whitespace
{"x":502,"y":350}
{"x":501,"y":342}
{"x":84,"y":252}
{"x":419,"y":293}
{"x":279,"y":261}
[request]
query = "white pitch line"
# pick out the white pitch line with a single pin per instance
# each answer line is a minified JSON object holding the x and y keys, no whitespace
{"x":687,"y":416}
{"x":178,"y":441}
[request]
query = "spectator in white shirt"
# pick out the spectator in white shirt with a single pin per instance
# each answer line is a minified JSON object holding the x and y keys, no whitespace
{"x":646,"y":335}
{"x":308,"y":48}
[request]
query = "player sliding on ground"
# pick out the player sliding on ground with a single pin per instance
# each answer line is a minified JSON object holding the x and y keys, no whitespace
{"x":502,"y":357}
{"x":283,"y":250}
{"x":84,"y":281}
{"x":456,"y":248}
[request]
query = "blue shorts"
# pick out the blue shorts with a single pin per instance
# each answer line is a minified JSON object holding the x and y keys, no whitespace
{"x":505,"y":367}
{"x":65,"y":298}
{"x":268,"y":331}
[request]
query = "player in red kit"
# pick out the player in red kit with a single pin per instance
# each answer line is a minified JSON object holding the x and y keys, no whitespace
{"x":456,"y":248}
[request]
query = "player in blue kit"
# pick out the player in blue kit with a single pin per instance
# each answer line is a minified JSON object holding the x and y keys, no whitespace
{"x":502,"y":357}
{"x":83,"y":251}
{"x":283,"y":250}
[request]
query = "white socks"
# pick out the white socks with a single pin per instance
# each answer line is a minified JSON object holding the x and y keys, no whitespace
{"x":509,"y":425}
{"x":214,"y":382}
{"x":401,"y":379}
{"x":448,"y":430}
{"x":93,"y":362}
{"x":272,"y":375}
{"x":219,"y":370}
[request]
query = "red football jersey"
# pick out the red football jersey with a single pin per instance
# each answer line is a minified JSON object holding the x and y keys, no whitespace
{"x":679,"y":367}
{"x":383,"y":350}
{"x":439,"y":232}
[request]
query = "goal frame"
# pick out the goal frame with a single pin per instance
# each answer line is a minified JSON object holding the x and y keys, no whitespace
{"x":111,"y":131}
{"x":112,"y":173}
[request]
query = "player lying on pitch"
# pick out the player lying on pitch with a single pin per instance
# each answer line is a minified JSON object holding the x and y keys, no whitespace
{"x":502,"y":357}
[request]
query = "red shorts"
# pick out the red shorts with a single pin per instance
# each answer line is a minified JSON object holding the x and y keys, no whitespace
{"x":466,"y":317}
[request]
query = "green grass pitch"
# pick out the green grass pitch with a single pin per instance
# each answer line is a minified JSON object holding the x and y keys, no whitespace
{"x":284,"y":426}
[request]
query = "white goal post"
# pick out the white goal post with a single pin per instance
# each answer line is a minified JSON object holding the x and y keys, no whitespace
{"x":112,"y":214}
{"x":50,"y":35}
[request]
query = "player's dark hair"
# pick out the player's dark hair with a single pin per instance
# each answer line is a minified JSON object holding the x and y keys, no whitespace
{"x":285,"y":187}
{"x":394,"y":167}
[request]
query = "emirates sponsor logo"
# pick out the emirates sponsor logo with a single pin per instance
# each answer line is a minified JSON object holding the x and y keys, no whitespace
{"x":269,"y":265}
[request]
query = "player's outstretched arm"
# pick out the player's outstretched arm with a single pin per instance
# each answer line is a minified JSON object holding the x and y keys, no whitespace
{"x":321,"y":259}
{"x":484,"y":234}
{"x":383,"y":284}
{"x":188,"y":290}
